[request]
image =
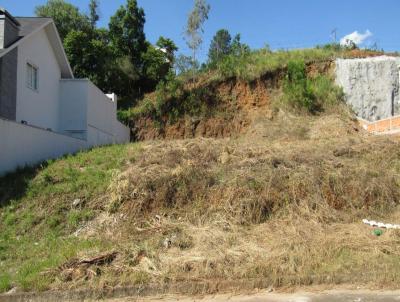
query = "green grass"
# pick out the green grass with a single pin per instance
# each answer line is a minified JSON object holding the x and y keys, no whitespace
{"x":37,"y":217}
{"x":260,"y":62}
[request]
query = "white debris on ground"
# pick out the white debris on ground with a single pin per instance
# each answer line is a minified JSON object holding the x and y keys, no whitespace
{"x":381,"y":224}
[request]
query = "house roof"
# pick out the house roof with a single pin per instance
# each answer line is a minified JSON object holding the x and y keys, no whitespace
{"x":28,"y":26}
{"x":5,"y":12}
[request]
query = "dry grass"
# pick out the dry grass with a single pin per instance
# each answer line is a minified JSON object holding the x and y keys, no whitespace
{"x":283,"y":204}
{"x":285,"y":209}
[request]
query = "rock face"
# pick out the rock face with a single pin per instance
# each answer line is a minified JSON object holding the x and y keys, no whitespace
{"x":371,"y":86}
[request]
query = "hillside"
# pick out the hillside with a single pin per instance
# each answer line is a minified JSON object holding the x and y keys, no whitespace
{"x":263,"y":191}
{"x":224,"y":101}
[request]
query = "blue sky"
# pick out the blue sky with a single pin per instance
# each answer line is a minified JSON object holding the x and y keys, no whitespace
{"x":281,"y":24}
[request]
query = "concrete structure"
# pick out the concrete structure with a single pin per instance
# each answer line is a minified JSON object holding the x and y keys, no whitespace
{"x":371,"y":86}
{"x":38,"y":93}
{"x":23,"y":145}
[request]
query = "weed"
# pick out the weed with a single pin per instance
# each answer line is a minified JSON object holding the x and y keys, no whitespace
{"x":76,"y":217}
{"x":5,"y":282}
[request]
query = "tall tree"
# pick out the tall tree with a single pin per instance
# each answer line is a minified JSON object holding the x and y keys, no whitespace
{"x":220,"y":46}
{"x":66,"y":16}
{"x":169,"y":47}
{"x":238,"y":48}
{"x":94,"y":13}
{"x":194,"y":28}
{"x":91,"y":56}
{"x":127,"y":33}
{"x":185,"y":64}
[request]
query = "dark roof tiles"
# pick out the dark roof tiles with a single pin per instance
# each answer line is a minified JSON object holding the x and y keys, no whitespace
{"x":29,"y":25}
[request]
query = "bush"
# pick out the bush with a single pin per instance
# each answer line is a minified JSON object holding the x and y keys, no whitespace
{"x":171,"y":101}
{"x":297,"y":87}
{"x":123,"y":116}
{"x":313,"y":94}
{"x":326,"y":92}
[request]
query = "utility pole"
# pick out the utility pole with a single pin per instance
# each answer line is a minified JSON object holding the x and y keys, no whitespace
{"x":334,"y":35}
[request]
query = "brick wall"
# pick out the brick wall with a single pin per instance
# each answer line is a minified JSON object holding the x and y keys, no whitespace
{"x":388,"y":125}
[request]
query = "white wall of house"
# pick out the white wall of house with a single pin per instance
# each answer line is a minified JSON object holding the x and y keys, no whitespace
{"x":102,"y":112}
{"x":83,"y":106}
{"x":73,"y":107}
{"x":22,"y":145}
{"x":79,"y":114}
{"x":39,"y":108}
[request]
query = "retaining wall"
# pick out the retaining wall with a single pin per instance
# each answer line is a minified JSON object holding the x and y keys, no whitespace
{"x":385,"y":126}
{"x":24,"y":145}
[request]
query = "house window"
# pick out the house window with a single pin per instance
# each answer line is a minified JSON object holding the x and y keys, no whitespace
{"x":32,"y":76}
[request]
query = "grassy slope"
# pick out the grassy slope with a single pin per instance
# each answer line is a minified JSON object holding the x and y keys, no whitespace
{"x":282,"y":203}
{"x":37,"y":216}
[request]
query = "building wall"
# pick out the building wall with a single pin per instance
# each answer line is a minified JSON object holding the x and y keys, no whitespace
{"x":39,"y":108}
{"x":22,"y":145}
{"x":73,"y":107}
{"x":102,"y":111}
{"x":83,"y":106}
{"x":8,"y":32}
{"x":8,"y":85}
{"x":122,"y":133}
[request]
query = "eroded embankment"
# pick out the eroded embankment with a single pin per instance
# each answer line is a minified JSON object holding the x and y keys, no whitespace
{"x":229,"y":108}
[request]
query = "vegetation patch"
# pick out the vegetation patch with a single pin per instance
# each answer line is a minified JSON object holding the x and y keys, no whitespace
{"x":41,"y":207}
{"x":312,"y":94}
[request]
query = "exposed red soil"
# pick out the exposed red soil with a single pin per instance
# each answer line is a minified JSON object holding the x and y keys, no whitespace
{"x":236,"y":104}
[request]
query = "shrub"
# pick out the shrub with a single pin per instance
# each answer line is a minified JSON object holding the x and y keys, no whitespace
{"x":312,"y":94}
{"x":326,"y":92}
{"x":297,"y":87}
{"x":123,"y":116}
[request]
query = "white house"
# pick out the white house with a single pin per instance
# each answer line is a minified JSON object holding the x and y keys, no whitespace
{"x":45,"y":111}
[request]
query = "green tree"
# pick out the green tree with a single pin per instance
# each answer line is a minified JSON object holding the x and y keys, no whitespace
{"x":156,"y":66}
{"x":170,"y":48}
{"x":184,"y":64}
{"x":220,"y":46}
{"x":93,"y":13}
{"x":238,"y":48}
{"x":129,"y":44}
{"x":91,"y":56}
{"x":66,"y":16}
{"x":127,"y":33}
{"x":194,"y":28}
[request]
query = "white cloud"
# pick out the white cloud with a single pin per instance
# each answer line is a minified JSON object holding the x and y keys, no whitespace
{"x":356,"y":37}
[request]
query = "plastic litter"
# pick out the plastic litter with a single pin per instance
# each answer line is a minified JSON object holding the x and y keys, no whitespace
{"x":381,"y":224}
